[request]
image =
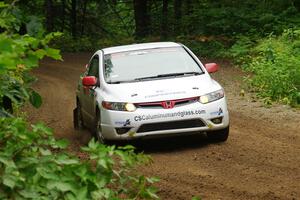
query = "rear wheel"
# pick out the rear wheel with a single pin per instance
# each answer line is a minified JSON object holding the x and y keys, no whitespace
{"x":77,"y":117}
{"x":219,"y":135}
{"x":98,"y":128}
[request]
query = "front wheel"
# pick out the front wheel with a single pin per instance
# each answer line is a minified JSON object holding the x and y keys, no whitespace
{"x":98,"y":129}
{"x":219,"y":135}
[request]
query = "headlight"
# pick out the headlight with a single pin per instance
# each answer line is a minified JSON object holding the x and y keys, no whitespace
{"x":130,"y":107}
{"x":213,"y":96}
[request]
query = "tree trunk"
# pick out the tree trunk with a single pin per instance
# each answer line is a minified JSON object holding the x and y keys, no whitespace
{"x":49,"y":15}
{"x":63,"y":14}
{"x":189,"y":12}
{"x":177,"y":16}
{"x":188,"y":7}
{"x":164,"y":20}
{"x":141,"y":18}
{"x":114,"y":2}
{"x":83,"y":17}
{"x":297,"y":4}
{"x":73,"y":18}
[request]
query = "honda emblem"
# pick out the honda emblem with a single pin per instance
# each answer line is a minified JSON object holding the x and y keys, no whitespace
{"x":168,"y":104}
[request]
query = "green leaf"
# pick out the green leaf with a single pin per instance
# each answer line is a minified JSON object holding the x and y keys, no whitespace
{"x":31,"y":60}
{"x":101,"y":194}
{"x":9,"y":180}
{"x":2,"y":4}
{"x":40,"y":127}
{"x":53,"y":53}
{"x":153,"y":179}
{"x":196,"y":198}
{"x":13,"y":98}
{"x":51,"y":36}
{"x":4,"y":113}
{"x":45,"y":152}
{"x":61,"y":186}
{"x":29,"y":194}
{"x":40,"y":53}
{"x":82,"y":171}
{"x":34,"y":26}
{"x":5,"y":45}
{"x":127,"y":147}
{"x":82,"y":193}
{"x":47,"y":173}
{"x":103,"y":162}
{"x":151,"y":191}
{"x":8,"y":162}
{"x":70,"y":196}
{"x":35,"y":99}
{"x":62,"y":143}
{"x":65,"y":160}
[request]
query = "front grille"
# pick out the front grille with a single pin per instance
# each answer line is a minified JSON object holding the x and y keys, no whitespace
{"x":159,"y":104}
{"x":192,"y":123}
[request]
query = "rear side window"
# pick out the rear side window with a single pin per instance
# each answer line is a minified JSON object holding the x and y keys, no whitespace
{"x":94,"y":67}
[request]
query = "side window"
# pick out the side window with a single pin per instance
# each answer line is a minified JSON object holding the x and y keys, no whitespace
{"x":94,"y":67}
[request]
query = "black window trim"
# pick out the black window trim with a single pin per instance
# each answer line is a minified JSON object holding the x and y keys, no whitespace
{"x":89,"y":68}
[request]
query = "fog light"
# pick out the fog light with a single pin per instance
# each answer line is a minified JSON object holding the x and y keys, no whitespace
{"x":121,"y":131}
{"x":217,"y":120}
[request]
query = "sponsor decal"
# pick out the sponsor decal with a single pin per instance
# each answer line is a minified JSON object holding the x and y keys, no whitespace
{"x":123,"y":123}
{"x":219,"y":112}
{"x":164,"y":94}
{"x":169,"y":115}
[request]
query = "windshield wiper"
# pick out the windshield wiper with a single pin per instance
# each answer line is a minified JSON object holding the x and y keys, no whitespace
{"x":168,"y":75}
{"x":118,"y":82}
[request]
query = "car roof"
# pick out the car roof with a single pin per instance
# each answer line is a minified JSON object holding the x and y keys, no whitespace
{"x":141,"y":46}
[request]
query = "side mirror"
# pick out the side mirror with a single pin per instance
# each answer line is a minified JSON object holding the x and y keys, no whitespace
{"x":211,"y":67}
{"x":89,"y":81}
{"x":86,"y":66}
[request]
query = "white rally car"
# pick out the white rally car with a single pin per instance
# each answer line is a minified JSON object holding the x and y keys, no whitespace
{"x":148,"y":90}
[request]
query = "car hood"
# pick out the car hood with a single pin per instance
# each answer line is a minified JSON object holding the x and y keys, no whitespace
{"x":160,"y":90}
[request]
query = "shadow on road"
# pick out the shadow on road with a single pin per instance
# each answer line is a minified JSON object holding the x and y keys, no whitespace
{"x":154,"y":145}
{"x":168,"y":144}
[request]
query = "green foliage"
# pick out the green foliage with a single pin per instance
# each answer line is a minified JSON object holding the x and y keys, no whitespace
{"x":205,"y":46}
{"x":240,"y":50}
{"x":274,"y":62}
{"x":85,"y":44}
{"x":67,"y":44}
{"x":109,"y":23}
{"x":35,"y":99}
{"x":200,"y":45}
{"x":19,"y":54}
{"x":33,"y":165}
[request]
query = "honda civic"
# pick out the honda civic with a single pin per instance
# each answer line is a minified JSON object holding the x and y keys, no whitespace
{"x":150,"y":90}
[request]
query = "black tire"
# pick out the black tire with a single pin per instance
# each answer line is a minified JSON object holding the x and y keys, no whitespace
{"x":219,"y":135}
{"x":98,"y":130}
{"x":77,"y":117}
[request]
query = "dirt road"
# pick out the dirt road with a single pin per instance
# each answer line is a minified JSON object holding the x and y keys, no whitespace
{"x":261,"y":159}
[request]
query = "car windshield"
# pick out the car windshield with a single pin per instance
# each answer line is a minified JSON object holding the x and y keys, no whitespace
{"x":149,"y":64}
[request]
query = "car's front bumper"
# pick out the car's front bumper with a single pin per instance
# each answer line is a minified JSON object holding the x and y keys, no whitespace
{"x":154,"y":122}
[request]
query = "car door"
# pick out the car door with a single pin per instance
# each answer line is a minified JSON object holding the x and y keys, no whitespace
{"x":89,"y":94}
